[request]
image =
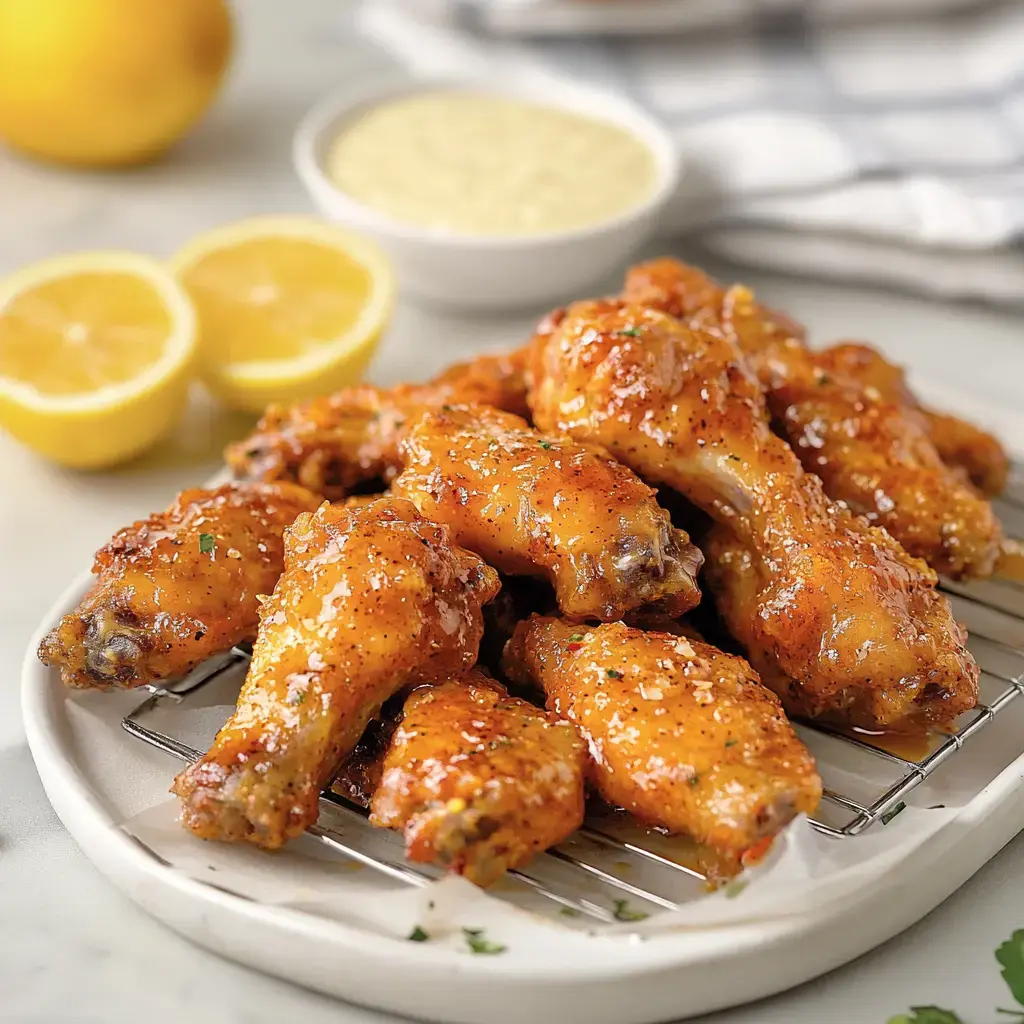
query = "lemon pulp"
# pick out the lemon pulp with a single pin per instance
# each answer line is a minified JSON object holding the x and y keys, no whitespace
{"x":82,"y":332}
{"x":271,"y":299}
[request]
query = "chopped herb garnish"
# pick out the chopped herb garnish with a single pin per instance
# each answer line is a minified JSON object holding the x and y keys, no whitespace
{"x":569,"y":912}
{"x":730,"y":743}
{"x":546,"y":445}
{"x":926,"y":1015}
{"x":1010,"y":956}
{"x":623,"y":912}
{"x":735,"y":887}
{"x":418,"y":935}
{"x":575,"y":638}
{"x":206,"y":543}
{"x":629,"y":332}
{"x":479,"y":944}
{"x":446,"y":408}
{"x":297,"y":696}
{"x":613,"y":673}
{"x":890,"y":814}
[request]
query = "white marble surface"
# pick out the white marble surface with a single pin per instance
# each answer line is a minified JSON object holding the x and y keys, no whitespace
{"x":71,"y":947}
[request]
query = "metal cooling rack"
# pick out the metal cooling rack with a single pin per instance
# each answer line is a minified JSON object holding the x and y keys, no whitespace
{"x":602,"y":865}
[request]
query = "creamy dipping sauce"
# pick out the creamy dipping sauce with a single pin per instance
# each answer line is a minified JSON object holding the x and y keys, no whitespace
{"x":477,"y":164}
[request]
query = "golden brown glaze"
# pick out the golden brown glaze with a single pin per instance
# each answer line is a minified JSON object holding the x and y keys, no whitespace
{"x":480,"y":781}
{"x":680,"y":734}
{"x":349,"y":439}
{"x":178,"y":587}
{"x":540,"y":505}
{"x":959,"y":444}
{"x":871,"y":454}
{"x":371,"y":599}
{"x":831,"y":603}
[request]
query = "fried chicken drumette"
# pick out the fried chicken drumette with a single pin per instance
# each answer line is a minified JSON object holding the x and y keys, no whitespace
{"x":349,"y":439}
{"x":537,"y":505}
{"x":680,"y":734}
{"x":873,"y":454}
{"x":176,"y":588}
{"x":479,"y":781}
{"x":372,"y":599}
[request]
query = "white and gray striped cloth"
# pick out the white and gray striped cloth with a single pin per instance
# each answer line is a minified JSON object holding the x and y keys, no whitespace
{"x":814,"y":139}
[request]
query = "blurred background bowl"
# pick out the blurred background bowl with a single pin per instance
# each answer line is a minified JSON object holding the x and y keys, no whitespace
{"x":488,"y":272}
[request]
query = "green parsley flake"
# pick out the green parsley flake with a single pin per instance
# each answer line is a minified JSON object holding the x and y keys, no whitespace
{"x":1010,"y":956}
{"x":730,"y":743}
{"x":418,"y":935}
{"x":479,"y":944}
{"x":926,"y":1015}
{"x":623,"y":912}
{"x":735,"y":887}
{"x":569,"y":912}
{"x":630,"y":332}
{"x":576,"y":638}
{"x":206,"y":543}
{"x":546,"y":445}
{"x":890,"y":814}
{"x":297,"y":696}
{"x":613,"y":673}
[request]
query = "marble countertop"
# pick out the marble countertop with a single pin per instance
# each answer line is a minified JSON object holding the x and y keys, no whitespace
{"x":71,"y":947}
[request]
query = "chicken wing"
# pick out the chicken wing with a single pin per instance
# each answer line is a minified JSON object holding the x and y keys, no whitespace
{"x":840,"y":607}
{"x":959,"y":444}
{"x":680,"y":734}
{"x":372,"y":598}
{"x":537,"y":505}
{"x":344,"y":441}
{"x":870,"y":453}
{"x":479,"y":781}
{"x":178,"y":587}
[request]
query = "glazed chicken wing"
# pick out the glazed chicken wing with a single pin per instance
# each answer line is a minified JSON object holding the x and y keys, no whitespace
{"x":372,"y":599}
{"x":346,"y":440}
{"x":959,"y":444}
{"x":178,"y":587}
{"x":680,"y":734}
{"x":536,"y":505}
{"x":871,"y":454}
{"x":839,"y":606}
{"x":479,"y":781}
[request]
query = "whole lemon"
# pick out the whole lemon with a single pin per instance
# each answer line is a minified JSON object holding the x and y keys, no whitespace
{"x":108,"y":82}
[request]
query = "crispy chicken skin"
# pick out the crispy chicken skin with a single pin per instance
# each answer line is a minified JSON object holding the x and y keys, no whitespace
{"x":178,"y":587}
{"x":479,"y":781}
{"x":873,"y":455}
{"x":959,"y":444}
{"x":538,"y":505}
{"x":680,"y":734}
{"x":834,"y":604}
{"x":343,"y":441}
{"x":371,"y":599}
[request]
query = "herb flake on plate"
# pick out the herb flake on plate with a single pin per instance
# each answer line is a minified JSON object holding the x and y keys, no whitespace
{"x":623,"y":912}
{"x":479,"y":943}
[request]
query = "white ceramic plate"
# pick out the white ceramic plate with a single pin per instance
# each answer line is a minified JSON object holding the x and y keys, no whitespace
{"x":96,"y":777}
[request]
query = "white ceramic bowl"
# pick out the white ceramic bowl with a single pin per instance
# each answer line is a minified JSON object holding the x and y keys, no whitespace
{"x":489,"y":272}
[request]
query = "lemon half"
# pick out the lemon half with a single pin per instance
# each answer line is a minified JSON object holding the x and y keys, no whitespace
{"x":96,"y":354}
{"x":288,"y":308}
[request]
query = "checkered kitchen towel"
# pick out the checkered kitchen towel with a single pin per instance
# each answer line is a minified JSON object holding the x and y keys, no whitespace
{"x":884,"y":150}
